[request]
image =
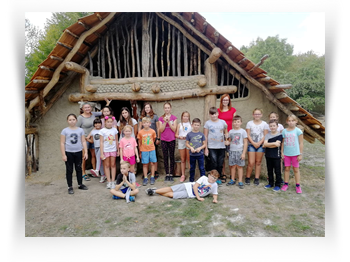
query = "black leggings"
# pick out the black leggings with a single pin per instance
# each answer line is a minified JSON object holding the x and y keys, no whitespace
{"x":274,"y":164}
{"x":168,"y":149}
{"x":76,"y":159}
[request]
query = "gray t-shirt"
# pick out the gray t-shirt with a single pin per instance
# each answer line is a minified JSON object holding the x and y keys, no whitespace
{"x":96,"y":137}
{"x":73,"y":141}
{"x":237,"y":139}
{"x":195,"y":141}
{"x":131,"y":178}
{"x":87,"y":123}
{"x":216,"y":139}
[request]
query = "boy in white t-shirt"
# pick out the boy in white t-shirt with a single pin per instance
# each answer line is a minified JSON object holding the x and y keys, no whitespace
{"x":199,"y":189}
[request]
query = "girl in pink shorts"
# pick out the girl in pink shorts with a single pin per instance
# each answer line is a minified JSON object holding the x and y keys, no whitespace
{"x":109,"y":150}
{"x":292,"y":151}
{"x":128,"y":148}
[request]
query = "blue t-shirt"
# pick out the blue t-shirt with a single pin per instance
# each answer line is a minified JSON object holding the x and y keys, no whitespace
{"x":195,"y":140}
{"x":73,"y":142}
{"x":291,"y":142}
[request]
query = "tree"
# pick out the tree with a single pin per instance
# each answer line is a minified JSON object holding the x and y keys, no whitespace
{"x":306,"y":72}
{"x":46,"y":42}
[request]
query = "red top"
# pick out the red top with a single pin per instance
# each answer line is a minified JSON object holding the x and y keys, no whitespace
{"x":227,"y":117}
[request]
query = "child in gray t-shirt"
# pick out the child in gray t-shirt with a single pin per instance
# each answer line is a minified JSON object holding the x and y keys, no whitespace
{"x":72,"y":143}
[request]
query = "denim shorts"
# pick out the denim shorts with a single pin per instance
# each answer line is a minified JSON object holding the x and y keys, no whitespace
{"x":148,"y":156}
{"x":89,"y":145}
{"x":260,"y":149}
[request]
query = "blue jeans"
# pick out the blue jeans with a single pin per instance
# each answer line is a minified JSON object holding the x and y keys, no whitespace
{"x":217,"y":157}
{"x":193,"y":160}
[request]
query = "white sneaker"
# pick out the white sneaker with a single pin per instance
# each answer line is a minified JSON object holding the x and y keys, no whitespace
{"x":94,"y":172}
{"x":103,"y":179}
{"x":113,"y":183}
{"x":109,"y":185}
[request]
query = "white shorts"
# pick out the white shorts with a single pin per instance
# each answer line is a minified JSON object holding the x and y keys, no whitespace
{"x":181,"y":144}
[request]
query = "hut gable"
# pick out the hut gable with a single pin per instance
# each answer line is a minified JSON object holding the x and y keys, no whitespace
{"x":153,"y":57}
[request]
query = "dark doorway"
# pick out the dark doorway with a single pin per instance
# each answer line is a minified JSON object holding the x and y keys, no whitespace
{"x":116,"y":106}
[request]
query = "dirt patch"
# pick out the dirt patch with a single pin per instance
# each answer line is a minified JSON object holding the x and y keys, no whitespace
{"x":252,"y":211}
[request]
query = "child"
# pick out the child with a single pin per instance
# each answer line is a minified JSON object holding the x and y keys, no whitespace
{"x":126,"y":184}
{"x":94,"y":137}
{"x":109,"y":150}
{"x":292,"y":151}
{"x":256,"y":131}
{"x":128,"y":148}
{"x":196,"y":142}
{"x":107,"y":111}
{"x":146,"y":138}
{"x":238,"y":147}
{"x":148,"y":111}
{"x":126,"y":119}
{"x":199,"y":189}
{"x":272,"y":145}
{"x":72,"y":143}
{"x":182,"y":130}
{"x":274,"y":116}
{"x":167,"y":128}
{"x":215,"y":131}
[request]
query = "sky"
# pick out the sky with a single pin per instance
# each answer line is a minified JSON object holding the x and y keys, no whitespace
{"x":304,"y":30}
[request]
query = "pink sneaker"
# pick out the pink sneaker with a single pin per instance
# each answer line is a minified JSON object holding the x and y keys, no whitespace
{"x":95,"y":173}
{"x":298,"y":189}
{"x":284,"y":187}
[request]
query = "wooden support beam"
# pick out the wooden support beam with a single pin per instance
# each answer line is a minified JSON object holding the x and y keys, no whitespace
{"x":299,"y":114}
{"x":258,"y":64}
{"x":205,"y":24}
{"x":315,"y":126}
{"x":281,"y":95}
{"x":215,"y":55}
{"x":211,"y":74}
{"x":56,"y":58}
{"x":308,"y":138}
{"x":76,"y":67}
{"x":216,"y":36}
{"x":70,"y":48}
{"x":229,"y":49}
{"x":161,"y":96}
{"x":264,"y":79}
{"x":87,"y":28}
{"x":40,"y":81}
{"x":77,"y":37}
{"x":292,"y":107}
{"x":286,"y":86}
{"x":31,"y":130}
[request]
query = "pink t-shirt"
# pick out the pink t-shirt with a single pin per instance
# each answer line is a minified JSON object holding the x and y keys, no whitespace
{"x":227,"y":117}
{"x":128,"y":146}
{"x":167,"y":134}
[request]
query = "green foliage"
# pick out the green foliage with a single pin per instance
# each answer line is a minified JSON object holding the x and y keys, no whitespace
{"x":45,"y":42}
{"x":306,"y":72}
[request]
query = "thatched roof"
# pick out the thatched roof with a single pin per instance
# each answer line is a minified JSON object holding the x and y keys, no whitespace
{"x":78,"y":40}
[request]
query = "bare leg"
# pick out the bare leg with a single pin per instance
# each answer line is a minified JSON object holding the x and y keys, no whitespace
{"x":165,"y":191}
{"x":240,"y":173}
{"x":152,"y":169}
{"x":296,"y":174}
{"x":188,"y":158}
{"x":120,"y":194}
{"x":183,"y":160}
{"x":93,"y":158}
{"x":106,"y":167}
{"x":113,"y":168}
{"x":83,"y":163}
{"x":258,"y":159}
{"x":286,"y":174}
{"x":251,"y":163}
{"x":233,"y":172}
{"x":145,"y":170}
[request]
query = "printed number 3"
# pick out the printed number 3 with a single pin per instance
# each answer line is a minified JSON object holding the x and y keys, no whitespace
{"x":75,"y":138}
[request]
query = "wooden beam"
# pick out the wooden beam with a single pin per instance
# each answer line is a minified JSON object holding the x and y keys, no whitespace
{"x":211,"y":74}
{"x":308,"y":138}
{"x":258,"y":64}
{"x":31,"y":130}
{"x":292,"y":107}
{"x":229,"y":49}
{"x":40,"y":81}
{"x":264,"y":79}
{"x":281,"y":95}
{"x":315,"y":126}
{"x":76,"y":67}
{"x":205,"y":24}
{"x":215,"y":55}
{"x":70,"y":55}
{"x":162,"y":96}
{"x":56,"y":58}
{"x":216,"y":36}
{"x":69,"y":48}
{"x":287,"y":86}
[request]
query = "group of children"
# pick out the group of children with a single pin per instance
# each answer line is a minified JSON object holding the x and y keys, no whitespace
{"x":258,"y":138}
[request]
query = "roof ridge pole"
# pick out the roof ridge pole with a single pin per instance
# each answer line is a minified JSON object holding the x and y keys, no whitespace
{"x":70,"y":55}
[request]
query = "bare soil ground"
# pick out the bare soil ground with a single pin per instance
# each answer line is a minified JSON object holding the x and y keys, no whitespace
{"x":253,"y":211}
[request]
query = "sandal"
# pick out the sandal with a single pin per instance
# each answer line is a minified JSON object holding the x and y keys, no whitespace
{"x":86,"y":178}
{"x":182,"y":179}
{"x":223,"y":178}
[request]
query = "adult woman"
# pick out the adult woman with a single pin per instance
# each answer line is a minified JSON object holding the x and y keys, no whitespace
{"x":86,"y":122}
{"x":226,"y":113}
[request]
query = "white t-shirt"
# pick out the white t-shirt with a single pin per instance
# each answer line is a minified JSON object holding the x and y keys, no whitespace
{"x":109,"y":143}
{"x":257,"y":131}
{"x":204,"y":188}
{"x":96,"y":137}
{"x":184,"y":129}
{"x":134,"y":122}
{"x":216,"y":134}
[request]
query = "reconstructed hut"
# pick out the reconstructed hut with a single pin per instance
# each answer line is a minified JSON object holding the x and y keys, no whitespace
{"x":137,"y":57}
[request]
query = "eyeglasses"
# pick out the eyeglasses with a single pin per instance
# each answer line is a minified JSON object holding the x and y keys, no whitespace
{"x":213,"y":177}
{"x":226,"y":100}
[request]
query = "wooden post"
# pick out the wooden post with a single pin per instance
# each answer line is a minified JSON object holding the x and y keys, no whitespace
{"x":178,"y":54}
{"x":108,"y":56}
{"x":113,"y":57}
{"x":99,"y":58}
{"x":118,"y":55}
{"x":168,"y":52}
{"x":150,"y":45}
{"x":211,"y":73}
{"x":137,"y":48}
{"x":91,"y":64}
{"x":132,"y":52}
{"x":215,"y":55}
{"x":103,"y":57}
{"x":127,"y":50}
{"x":156,"y":50}
{"x":162,"y":50}
{"x":173,"y":51}
{"x":124,"y":52}
{"x":184,"y":40}
{"x":145,"y":45}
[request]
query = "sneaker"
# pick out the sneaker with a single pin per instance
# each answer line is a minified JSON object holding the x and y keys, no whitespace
{"x":152,"y":180}
{"x":83,"y":187}
{"x":218,"y":181}
{"x":298,"y":189}
{"x":132,"y":199}
{"x":231,"y":183}
{"x":256,"y":181}
{"x":156,"y":175}
{"x":276,"y":189}
{"x":166,"y":178}
{"x":268,"y":187}
{"x":240,"y":185}
{"x":145,"y":181}
{"x":247,"y":181}
{"x":115,"y":197}
{"x":284,"y":188}
{"x":150,"y":191}
{"x":103,"y":179}
{"x":113,"y":183}
{"x":94,"y":172}
{"x":171,"y":179}
{"x":70,"y":190}
{"x":109,"y":184}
